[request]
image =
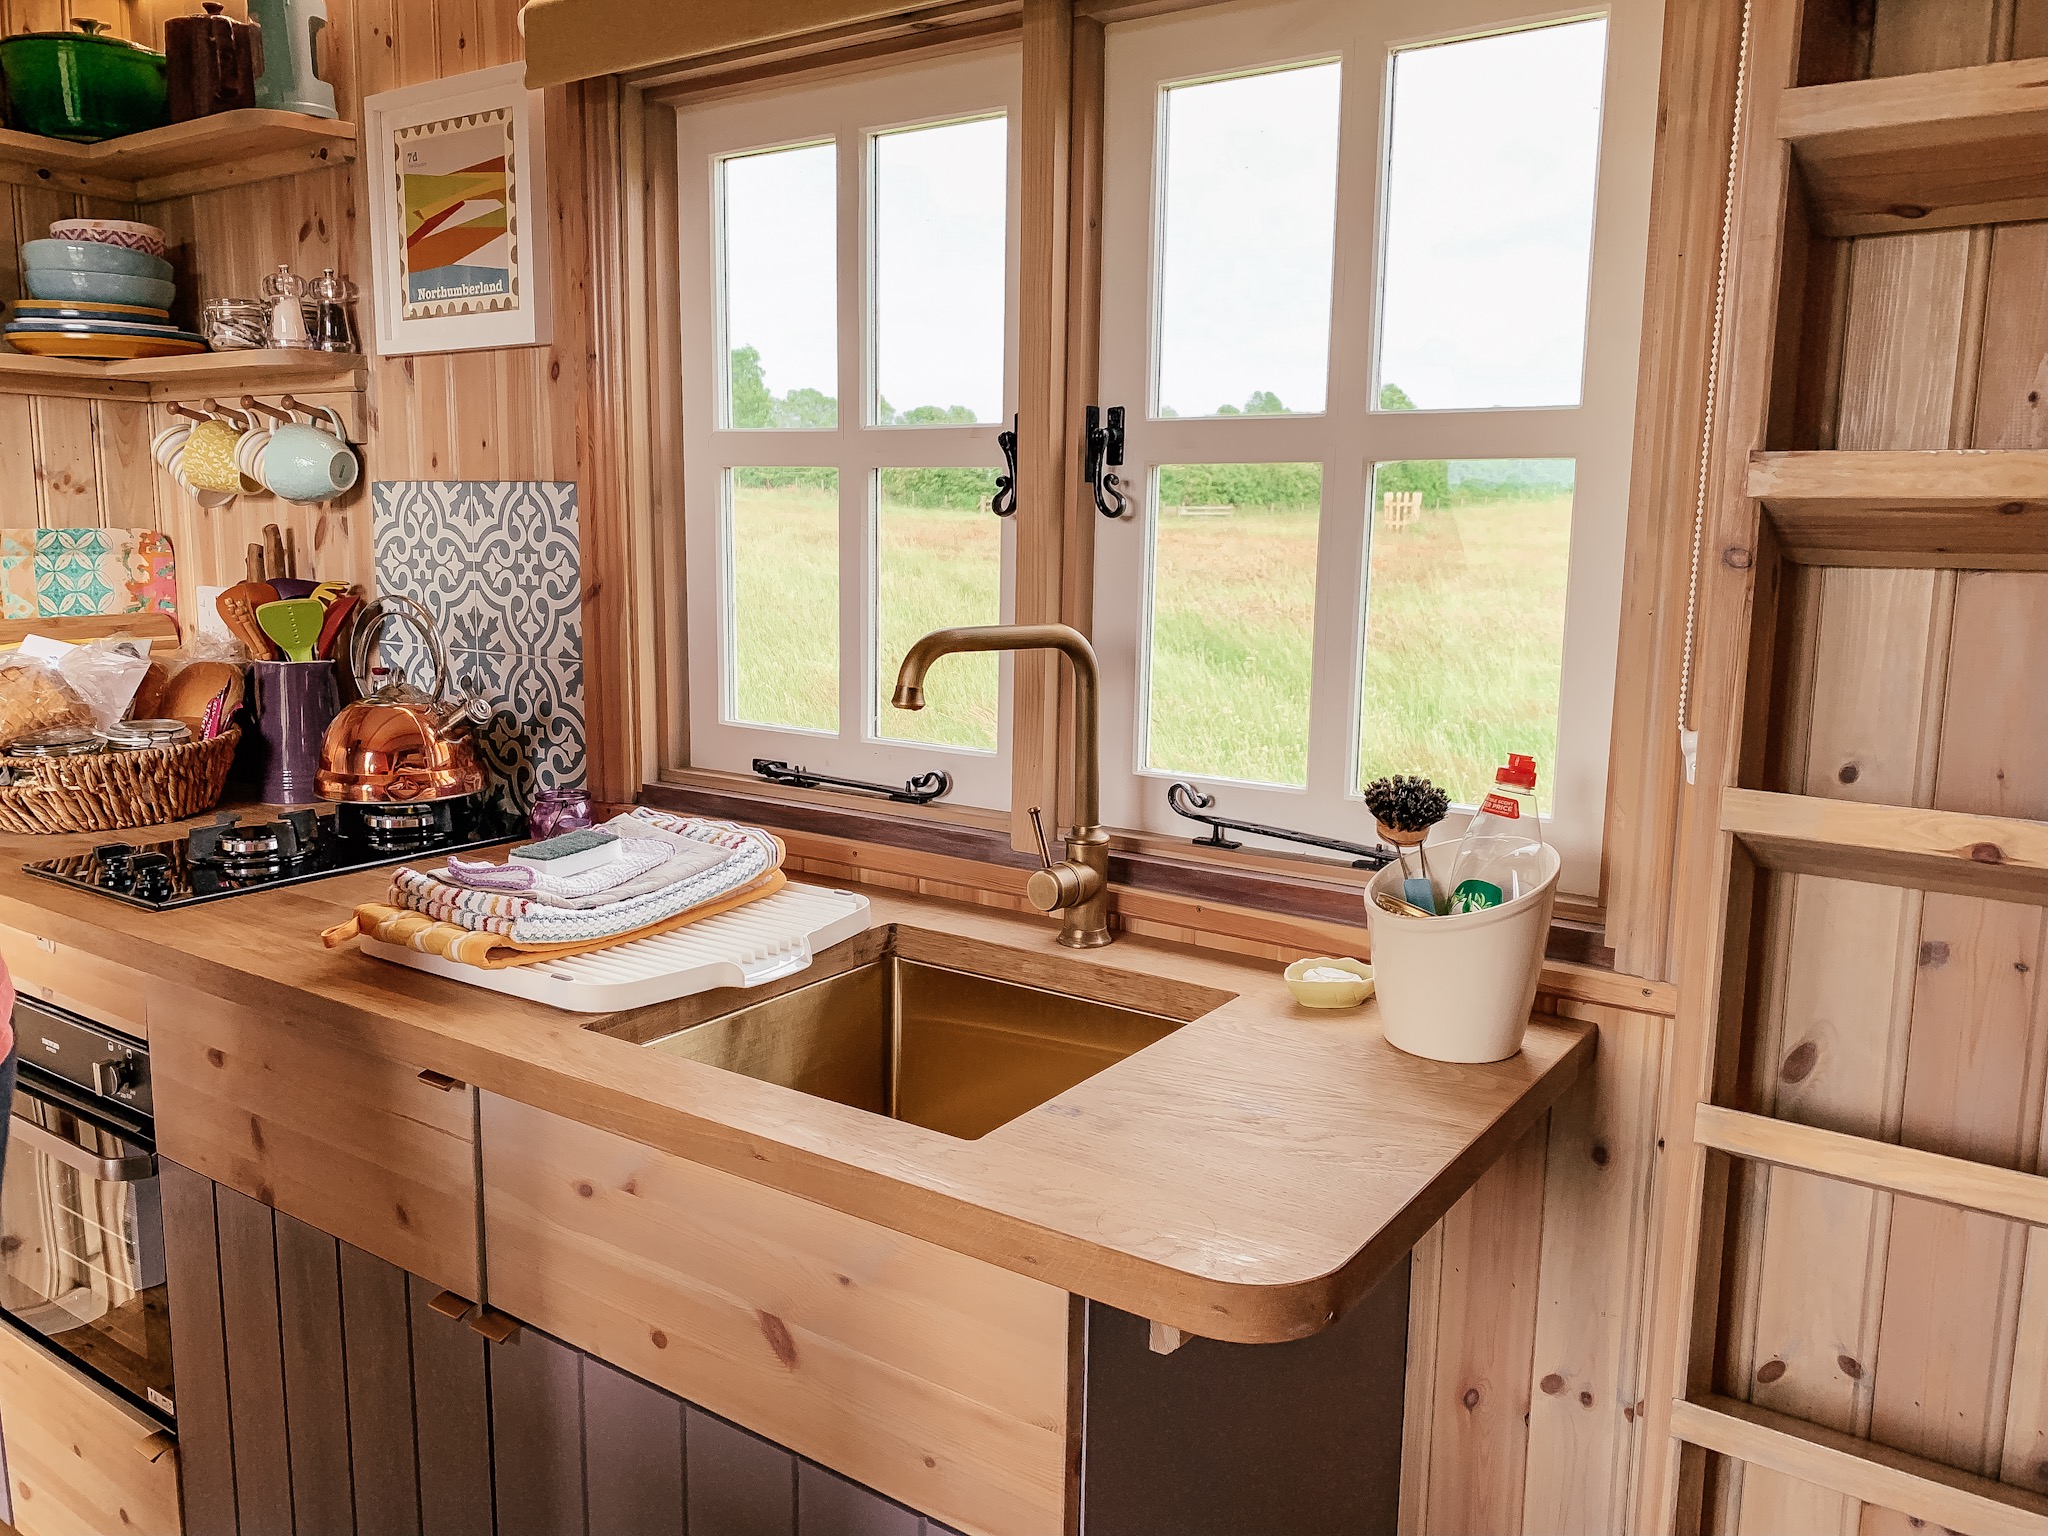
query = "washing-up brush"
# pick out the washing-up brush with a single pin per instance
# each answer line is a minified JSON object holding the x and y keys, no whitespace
{"x":1405,"y":808}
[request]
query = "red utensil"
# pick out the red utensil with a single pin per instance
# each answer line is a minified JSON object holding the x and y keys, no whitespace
{"x":338,"y":613}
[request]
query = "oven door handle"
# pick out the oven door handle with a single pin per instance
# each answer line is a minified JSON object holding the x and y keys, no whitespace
{"x":108,"y":1170}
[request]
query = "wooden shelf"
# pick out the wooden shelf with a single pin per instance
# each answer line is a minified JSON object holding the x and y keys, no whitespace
{"x":1876,"y":1474}
{"x":1957,"y":1181}
{"x":181,"y":378}
{"x":1923,"y":151}
{"x":229,"y":149}
{"x":1968,"y":509}
{"x":1992,"y":856}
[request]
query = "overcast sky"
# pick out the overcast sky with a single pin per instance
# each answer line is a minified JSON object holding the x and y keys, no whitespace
{"x":1489,"y":187}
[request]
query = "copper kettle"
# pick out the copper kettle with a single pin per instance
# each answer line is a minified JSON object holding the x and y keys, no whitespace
{"x":397,"y":742}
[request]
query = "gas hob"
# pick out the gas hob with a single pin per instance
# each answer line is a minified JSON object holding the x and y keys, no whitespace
{"x":237,"y":854}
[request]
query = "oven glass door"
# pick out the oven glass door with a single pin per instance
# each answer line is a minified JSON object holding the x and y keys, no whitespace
{"x":82,"y":1241}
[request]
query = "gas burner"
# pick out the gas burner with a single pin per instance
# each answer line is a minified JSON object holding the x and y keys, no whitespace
{"x":229,"y":856}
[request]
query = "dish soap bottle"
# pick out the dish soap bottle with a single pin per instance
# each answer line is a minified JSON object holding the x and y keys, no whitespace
{"x":1499,"y":858}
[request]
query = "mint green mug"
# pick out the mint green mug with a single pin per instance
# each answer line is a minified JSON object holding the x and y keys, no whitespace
{"x":305,"y":463}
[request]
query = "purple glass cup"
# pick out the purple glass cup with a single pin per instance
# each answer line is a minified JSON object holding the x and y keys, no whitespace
{"x":295,"y":703}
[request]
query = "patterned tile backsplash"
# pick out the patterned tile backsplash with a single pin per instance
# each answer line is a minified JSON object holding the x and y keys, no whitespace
{"x":499,"y":566}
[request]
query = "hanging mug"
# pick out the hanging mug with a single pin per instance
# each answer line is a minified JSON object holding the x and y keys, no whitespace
{"x":305,"y":463}
{"x":209,"y":458}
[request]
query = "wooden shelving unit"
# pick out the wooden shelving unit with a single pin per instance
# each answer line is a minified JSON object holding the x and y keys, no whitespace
{"x":181,"y":378}
{"x":229,"y":149}
{"x":1950,"y":508}
{"x":1923,"y":151}
{"x":1991,"y":856}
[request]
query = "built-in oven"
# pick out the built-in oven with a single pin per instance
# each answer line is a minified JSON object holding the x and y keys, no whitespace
{"x":81,"y":1216}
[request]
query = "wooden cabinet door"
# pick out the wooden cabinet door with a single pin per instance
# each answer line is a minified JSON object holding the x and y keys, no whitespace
{"x":77,"y":1462}
{"x":322,"y":1125}
{"x":935,"y":1378}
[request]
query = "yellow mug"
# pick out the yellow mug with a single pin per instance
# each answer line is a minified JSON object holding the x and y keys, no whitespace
{"x":210,"y":458}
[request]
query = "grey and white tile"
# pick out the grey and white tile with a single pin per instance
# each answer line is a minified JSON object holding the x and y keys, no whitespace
{"x":496,"y":562}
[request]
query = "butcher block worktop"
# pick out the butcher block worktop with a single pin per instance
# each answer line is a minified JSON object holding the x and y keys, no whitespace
{"x":1245,"y":1178}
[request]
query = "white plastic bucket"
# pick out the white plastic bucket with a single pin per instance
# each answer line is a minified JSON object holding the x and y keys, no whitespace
{"x":1459,"y":988}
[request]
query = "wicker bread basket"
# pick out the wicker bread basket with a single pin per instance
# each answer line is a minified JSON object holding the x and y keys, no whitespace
{"x":102,"y":791}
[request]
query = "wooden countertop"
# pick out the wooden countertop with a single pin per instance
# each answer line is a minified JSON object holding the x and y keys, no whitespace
{"x":1245,"y":1178}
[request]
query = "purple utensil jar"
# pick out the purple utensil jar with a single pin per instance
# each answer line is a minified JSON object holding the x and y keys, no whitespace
{"x":295,"y":702}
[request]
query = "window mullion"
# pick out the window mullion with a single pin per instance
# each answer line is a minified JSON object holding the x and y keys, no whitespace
{"x":856,"y":484}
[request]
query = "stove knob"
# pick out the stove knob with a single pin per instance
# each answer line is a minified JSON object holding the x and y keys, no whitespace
{"x":112,"y":859}
{"x":117,"y":1079}
{"x":152,"y":876}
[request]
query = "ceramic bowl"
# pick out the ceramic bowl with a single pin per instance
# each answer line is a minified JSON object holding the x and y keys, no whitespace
{"x":94,"y":256}
{"x":1329,"y":994}
{"x":98,"y":287}
{"x":146,"y":238}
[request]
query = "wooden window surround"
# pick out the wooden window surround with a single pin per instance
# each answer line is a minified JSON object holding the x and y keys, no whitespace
{"x":1058,"y":338}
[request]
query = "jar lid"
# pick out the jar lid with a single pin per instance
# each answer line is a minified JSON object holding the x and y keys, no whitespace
{"x":139,"y":735}
{"x":64,"y":741}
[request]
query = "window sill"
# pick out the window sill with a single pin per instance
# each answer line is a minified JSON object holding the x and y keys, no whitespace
{"x":1276,"y":885}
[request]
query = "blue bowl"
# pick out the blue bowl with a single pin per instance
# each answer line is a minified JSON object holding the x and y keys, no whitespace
{"x":98,"y":287}
{"x":94,"y":256}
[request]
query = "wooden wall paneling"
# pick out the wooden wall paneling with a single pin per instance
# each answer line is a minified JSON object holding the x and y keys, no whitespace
{"x":452,"y":1419}
{"x":2012,"y":380}
{"x":1486,"y":1339}
{"x":67,"y":479}
{"x":633,"y":1453}
{"x":1693,"y":127}
{"x":125,"y":472}
{"x":206,"y":1457}
{"x":315,"y":1380}
{"x":669,"y":667}
{"x":255,"y":1362}
{"x":738,"y":1484}
{"x":17,"y":459}
{"x":2030,"y":29}
{"x":1599,"y":1191}
{"x":383,"y":1457}
{"x":1908,"y":36}
{"x":1418,"y":1414}
{"x":1043,"y":411}
{"x":537,"y":1435}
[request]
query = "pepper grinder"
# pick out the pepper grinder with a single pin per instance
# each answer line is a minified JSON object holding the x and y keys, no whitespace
{"x":333,"y":331}
{"x":282,"y":294}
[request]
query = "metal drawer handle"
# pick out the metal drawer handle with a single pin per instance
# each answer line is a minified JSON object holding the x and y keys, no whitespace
{"x":108,"y":1170}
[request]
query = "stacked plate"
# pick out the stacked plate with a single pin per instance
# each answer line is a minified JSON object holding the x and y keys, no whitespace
{"x":97,"y":298}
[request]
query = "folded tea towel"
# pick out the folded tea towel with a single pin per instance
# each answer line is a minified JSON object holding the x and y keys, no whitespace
{"x":492,"y":952}
{"x":661,"y":893}
{"x":637,"y":855}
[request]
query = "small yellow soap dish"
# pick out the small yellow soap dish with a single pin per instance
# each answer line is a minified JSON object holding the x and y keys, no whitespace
{"x":1329,"y":993}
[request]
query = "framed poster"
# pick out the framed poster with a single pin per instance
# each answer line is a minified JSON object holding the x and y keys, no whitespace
{"x":458,"y":237}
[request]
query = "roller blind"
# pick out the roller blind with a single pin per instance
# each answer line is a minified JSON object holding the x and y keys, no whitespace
{"x":577,"y":39}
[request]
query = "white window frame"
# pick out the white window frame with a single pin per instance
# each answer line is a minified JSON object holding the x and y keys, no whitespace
{"x":850,"y":112}
{"x":1349,"y":438}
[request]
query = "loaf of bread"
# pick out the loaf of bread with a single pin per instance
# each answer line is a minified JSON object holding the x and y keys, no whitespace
{"x":34,"y":698}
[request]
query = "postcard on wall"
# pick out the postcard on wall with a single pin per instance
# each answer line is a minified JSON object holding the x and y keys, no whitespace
{"x":460,"y":251}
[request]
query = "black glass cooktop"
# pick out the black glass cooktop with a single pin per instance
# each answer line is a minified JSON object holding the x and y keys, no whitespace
{"x":255,"y":851}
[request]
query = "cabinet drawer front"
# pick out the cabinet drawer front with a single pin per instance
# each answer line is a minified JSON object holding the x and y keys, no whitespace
{"x":321,"y":1127}
{"x":935,"y":1378}
{"x":74,"y":1463}
{"x":69,"y":977}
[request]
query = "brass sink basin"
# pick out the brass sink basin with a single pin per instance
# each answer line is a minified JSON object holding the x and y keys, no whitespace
{"x":914,"y":1026}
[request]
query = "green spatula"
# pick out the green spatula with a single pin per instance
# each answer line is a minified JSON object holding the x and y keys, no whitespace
{"x":294,"y":625}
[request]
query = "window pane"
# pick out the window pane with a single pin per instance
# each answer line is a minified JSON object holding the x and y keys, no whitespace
{"x":778,"y":270}
{"x":941,"y":205}
{"x":1489,"y":219}
{"x":783,"y":605}
{"x":938,"y":562}
{"x":1464,"y":632}
{"x":1250,"y":190}
{"x":1233,"y":620}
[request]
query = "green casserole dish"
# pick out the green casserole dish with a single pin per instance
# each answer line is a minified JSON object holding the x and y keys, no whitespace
{"x":83,"y":85}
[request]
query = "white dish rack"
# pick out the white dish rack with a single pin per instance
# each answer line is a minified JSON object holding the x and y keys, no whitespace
{"x":760,"y":942}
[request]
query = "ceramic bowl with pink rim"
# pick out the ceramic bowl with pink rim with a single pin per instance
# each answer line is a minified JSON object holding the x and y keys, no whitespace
{"x":125,"y":233}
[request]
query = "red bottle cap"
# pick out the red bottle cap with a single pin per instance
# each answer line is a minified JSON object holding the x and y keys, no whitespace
{"x":1520,"y":772}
